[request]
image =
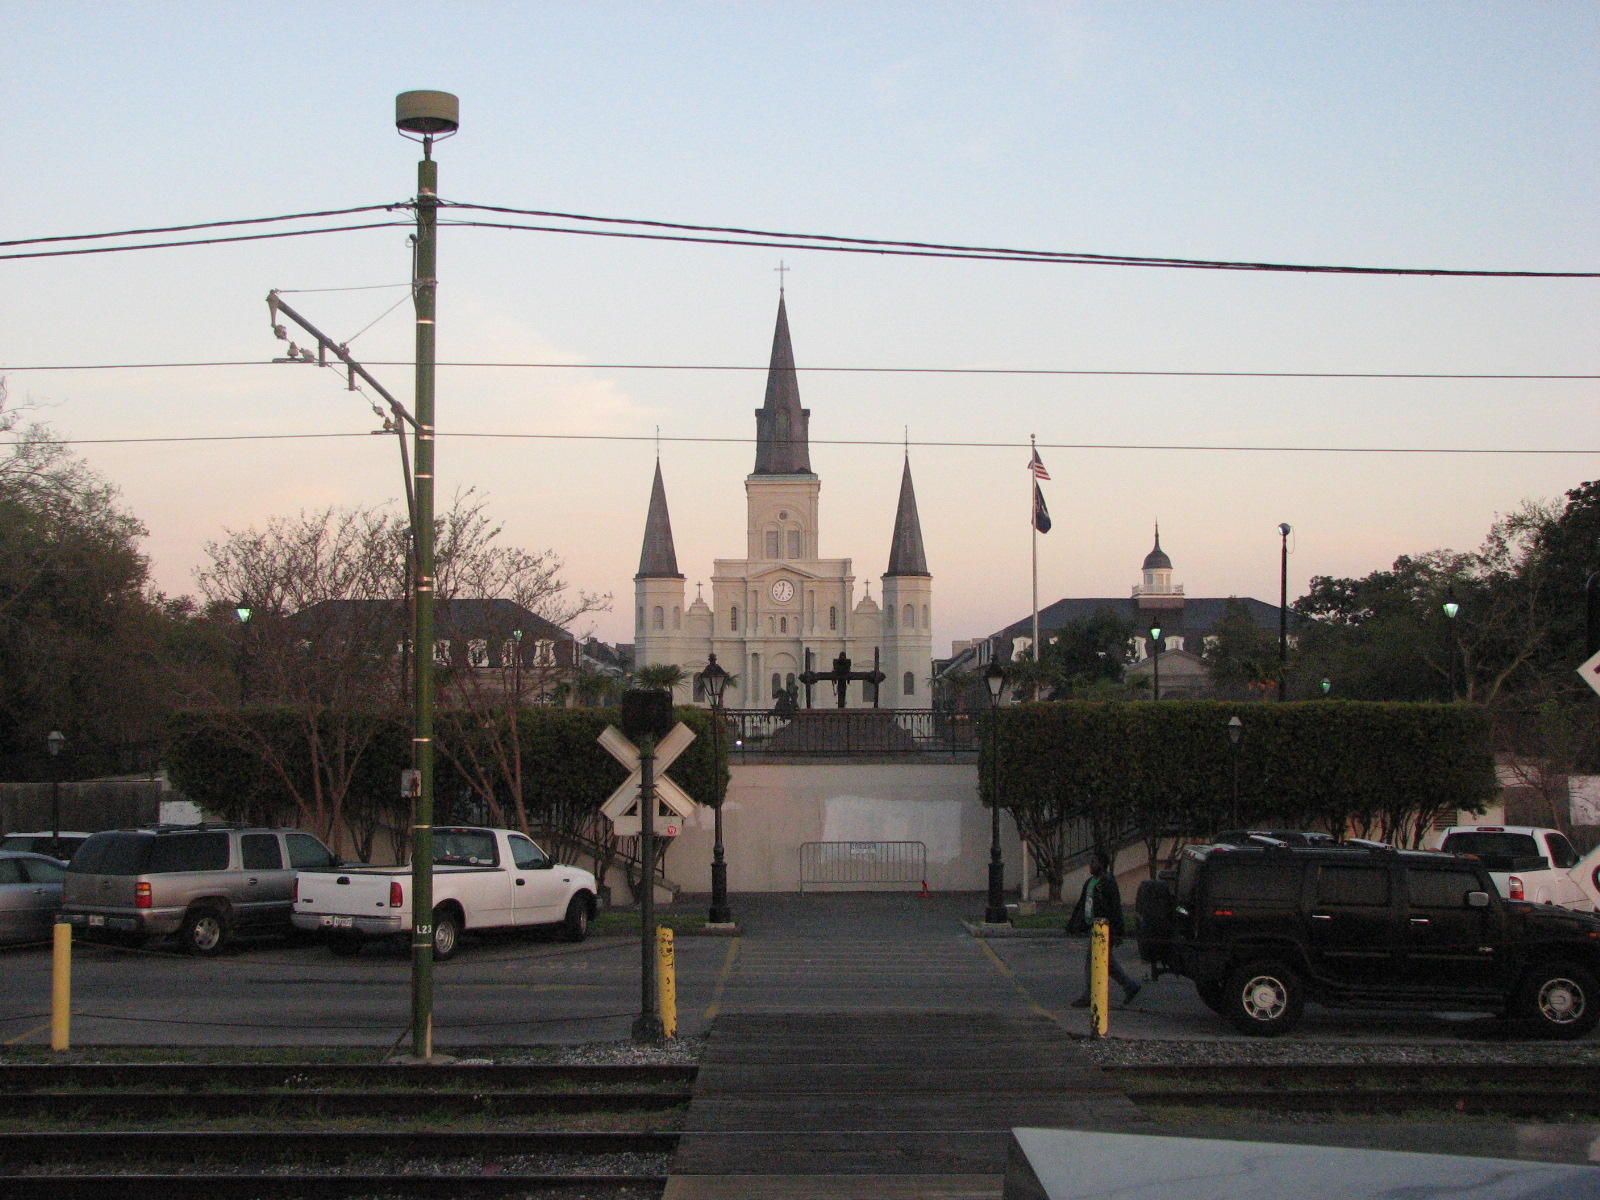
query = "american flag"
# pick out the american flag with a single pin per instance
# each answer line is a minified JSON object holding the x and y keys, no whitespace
{"x":1037,"y":467}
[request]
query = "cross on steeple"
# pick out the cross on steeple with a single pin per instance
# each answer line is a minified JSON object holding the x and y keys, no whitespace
{"x":782,"y":271}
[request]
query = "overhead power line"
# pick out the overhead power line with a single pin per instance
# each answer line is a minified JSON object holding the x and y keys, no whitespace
{"x":855,"y":245}
{"x":895,"y":442}
{"x":1023,"y":371}
{"x":305,"y":216}
{"x":246,"y":237}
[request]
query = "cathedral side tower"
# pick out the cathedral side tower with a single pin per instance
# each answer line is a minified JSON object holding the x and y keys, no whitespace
{"x":659,"y":633}
{"x":907,"y":622}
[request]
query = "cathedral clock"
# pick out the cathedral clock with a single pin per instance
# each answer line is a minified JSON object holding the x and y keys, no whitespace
{"x":783,"y":591}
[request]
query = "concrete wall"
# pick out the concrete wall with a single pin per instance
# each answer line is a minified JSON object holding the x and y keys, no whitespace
{"x":771,"y":808}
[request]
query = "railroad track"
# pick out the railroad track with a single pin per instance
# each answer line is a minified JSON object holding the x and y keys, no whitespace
{"x":330,"y":1187}
{"x":268,"y":1163}
{"x":1285,"y":1075}
{"x":1512,"y":1090}
{"x":338,"y":1076}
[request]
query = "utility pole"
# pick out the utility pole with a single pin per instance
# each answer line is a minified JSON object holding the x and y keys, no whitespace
{"x":430,"y":114}
{"x":647,"y":1026}
{"x":1283,"y":611}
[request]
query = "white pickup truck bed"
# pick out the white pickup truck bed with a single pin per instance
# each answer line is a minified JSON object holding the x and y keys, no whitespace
{"x":482,"y":879}
{"x":1530,"y":863}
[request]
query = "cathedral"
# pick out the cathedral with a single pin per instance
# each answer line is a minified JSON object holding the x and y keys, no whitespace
{"x":783,"y":609}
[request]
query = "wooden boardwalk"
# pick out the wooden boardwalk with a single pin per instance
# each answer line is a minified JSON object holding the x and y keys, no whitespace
{"x":878,"y":1105}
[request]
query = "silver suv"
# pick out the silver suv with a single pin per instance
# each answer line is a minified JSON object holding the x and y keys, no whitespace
{"x":205,"y":884}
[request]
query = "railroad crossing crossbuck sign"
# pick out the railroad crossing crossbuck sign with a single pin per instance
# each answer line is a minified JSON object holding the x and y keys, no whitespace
{"x":673,"y":805}
{"x":1591,"y":672}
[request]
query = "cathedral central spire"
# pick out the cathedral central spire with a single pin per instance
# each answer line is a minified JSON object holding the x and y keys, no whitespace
{"x":782,"y":426}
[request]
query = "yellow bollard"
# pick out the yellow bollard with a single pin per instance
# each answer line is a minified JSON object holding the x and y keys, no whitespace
{"x":61,"y":988}
{"x":667,"y":974}
{"x":1100,"y":979}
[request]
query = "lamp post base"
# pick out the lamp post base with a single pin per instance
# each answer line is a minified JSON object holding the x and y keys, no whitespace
{"x":648,"y":1030}
{"x":994,"y":912}
{"x":720,"y":913}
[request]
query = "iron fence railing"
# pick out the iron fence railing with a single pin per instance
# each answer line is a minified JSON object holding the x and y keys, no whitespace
{"x":863,"y":864}
{"x":827,"y":732}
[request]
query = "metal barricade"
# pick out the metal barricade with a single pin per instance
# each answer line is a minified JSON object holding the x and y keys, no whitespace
{"x":863,"y":864}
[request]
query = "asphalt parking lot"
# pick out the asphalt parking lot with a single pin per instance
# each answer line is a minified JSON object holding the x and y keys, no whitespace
{"x":851,"y":952}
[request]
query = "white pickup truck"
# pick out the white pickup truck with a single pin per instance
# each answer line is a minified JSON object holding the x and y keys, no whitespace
{"x":482,"y":879}
{"x":1529,"y":863}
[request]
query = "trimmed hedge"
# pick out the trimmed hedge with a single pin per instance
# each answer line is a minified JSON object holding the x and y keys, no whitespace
{"x":1369,"y":768}
{"x":565,"y":770}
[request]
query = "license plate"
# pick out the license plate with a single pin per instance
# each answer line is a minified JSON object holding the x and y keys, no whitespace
{"x":339,"y":922}
{"x":96,"y":920}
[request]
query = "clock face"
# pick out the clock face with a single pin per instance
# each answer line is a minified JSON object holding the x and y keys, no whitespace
{"x":783,"y":591}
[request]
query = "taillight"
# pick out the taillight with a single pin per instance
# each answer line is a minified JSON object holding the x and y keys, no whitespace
{"x":1515,"y":889}
{"x":141,"y":895}
{"x":396,"y":897}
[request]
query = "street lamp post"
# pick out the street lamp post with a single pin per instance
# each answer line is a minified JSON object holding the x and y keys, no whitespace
{"x":1155,"y":660}
{"x":243,"y":613}
{"x":425,"y":115}
{"x":994,"y":912}
{"x":715,"y":679}
{"x":1451,"y":608}
{"x":1283,"y":609}
{"x":1235,"y":733}
{"x":54,"y":742}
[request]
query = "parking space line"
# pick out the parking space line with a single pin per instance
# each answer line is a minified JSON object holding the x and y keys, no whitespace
{"x":1011,"y":977}
{"x":722,"y":979}
{"x":28,"y":1034}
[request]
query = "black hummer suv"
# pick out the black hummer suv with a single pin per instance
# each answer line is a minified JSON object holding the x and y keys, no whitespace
{"x":1265,"y":927}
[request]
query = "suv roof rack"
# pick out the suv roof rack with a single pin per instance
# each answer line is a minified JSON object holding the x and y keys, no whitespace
{"x":1368,"y":844}
{"x":1262,"y":839}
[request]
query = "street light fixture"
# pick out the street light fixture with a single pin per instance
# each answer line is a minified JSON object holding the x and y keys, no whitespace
{"x":54,"y":743}
{"x":1327,"y":686}
{"x":994,"y":912}
{"x":1155,"y":660}
{"x":1284,"y":531}
{"x":1235,"y":734}
{"x":714,"y":679}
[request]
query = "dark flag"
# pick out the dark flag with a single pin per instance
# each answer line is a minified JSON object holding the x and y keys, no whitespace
{"x":1041,"y":514}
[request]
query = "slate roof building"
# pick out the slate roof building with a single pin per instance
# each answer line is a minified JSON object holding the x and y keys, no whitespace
{"x":783,"y":601}
{"x":1156,"y":602}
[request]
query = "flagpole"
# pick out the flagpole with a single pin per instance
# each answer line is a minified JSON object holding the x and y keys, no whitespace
{"x":1033,"y":524}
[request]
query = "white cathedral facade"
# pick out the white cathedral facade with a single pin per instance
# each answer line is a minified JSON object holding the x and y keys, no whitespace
{"x":783,"y":609}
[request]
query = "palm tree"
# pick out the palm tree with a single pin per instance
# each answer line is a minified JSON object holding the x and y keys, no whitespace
{"x":659,"y":677}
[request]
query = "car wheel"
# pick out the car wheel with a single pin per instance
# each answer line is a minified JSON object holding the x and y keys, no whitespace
{"x":204,"y":932}
{"x":575,"y":927}
{"x":1211,"y":994}
{"x":446,"y":934}
{"x":1263,"y":998}
{"x":345,"y":945}
{"x":1560,"y":1000}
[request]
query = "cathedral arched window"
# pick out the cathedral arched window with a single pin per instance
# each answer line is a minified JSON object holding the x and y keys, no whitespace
{"x":788,"y":681}
{"x":909,"y":617}
{"x":658,"y":617}
{"x":772,"y":543}
{"x":796,"y":544}
{"x":783,"y":624}
{"x":641,"y":616}
{"x":677,"y":617}
{"x":833,"y":617}
{"x":909,"y":684}
{"x":699,"y":689}
{"x":888,"y":616}
{"x":777,"y":684}
{"x":733,"y":619}
{"x":925,"y":621}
